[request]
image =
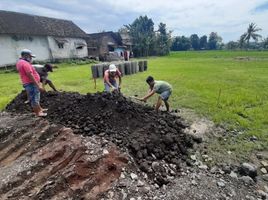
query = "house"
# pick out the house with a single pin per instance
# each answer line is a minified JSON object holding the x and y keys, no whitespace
{"x":49,"y":39}
{"x":126,"y":40}
{"x":102,"y":44}
{"x":108,"y":45}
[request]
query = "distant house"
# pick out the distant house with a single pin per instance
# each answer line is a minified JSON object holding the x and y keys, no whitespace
{"x":126,"y":40}
{"x":105,"y":44}
{"x":48,"y":38}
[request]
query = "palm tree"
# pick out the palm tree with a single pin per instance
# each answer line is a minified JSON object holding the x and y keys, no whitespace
{"x":251,"y":33}
{"x":241,"y":41}
{"x":265,"y":43}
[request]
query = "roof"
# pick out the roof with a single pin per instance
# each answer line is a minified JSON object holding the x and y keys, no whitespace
{"x":100,"y":35}
{"x":25,"y":24}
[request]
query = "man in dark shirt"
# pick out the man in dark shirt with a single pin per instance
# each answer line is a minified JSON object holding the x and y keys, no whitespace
{"x":43,"y":73}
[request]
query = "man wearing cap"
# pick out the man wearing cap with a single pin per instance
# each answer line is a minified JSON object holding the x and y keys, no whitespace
{"x":43,"y":73}
{"x":31,"y":81}
{"x":110,"y":76}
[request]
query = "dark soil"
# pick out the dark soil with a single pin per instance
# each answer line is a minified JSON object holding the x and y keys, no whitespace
{"x":149,"y":136}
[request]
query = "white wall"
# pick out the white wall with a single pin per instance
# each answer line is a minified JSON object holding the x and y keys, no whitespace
{"x":45,"y":48}
{"x":69,"y":48}
{"x":10,"y":48}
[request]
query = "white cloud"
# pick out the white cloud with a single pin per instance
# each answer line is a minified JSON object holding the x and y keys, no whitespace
{"x":203,"y":16}
{"x":31,"y":8}
{"x":229,"y":18}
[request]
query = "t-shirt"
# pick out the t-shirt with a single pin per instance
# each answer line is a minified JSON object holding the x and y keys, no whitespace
{"x":41,"y":71}
{"x":25,"y":67}
{"x":161,"y":86}
{"x":109,"y":78}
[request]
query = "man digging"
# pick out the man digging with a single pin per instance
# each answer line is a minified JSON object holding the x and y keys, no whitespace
{"x":31,"y":81}
{"x":43,"y":73}
{"x":110,"y":76}
{"x":163,"y":88}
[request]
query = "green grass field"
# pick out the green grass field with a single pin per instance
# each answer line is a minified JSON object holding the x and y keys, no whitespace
{"x":228,"y":87}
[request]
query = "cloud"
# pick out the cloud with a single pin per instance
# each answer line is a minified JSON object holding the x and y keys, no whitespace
{"x":228,"y":18}
{"x":261,"y":8}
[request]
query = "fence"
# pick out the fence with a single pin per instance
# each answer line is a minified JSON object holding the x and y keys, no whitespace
{"x":126,"y":68}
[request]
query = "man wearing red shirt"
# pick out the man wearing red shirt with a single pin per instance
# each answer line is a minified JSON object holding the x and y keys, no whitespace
{"x":30,"y":81}
{"x":110,"y":76}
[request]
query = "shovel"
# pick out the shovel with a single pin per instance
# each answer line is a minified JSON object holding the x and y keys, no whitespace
{"x":137,"y":98}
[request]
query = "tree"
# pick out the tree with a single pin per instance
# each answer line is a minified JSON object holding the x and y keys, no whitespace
{"x":203,"y":42}
{"x":241,"y":41}
{"x":232,"y":45}
{"x":163,"y":41}
{"x":142,"y":32}
{"x":251,"y":34}
{"x":214,"y":41}
{"x":195,"y":41}
{"x":123,"y":30}
{"x":265,"y":43}
{"x":181,"y":44}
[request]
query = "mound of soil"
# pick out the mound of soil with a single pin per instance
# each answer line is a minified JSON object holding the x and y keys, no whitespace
{"x":41,"y":160}
{"x":149,"y":136}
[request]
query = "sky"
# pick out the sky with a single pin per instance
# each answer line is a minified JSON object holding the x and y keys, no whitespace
{"x":229,"y":18}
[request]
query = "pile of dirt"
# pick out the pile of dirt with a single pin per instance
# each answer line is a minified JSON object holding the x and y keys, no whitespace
{"x":42,"y":160}
{"x":149,"y":136}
